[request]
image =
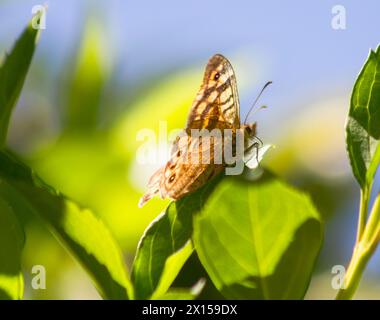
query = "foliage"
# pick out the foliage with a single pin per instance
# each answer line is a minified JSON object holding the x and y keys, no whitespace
{"x":12,"y":75}
{"x":363,"y":129}
{"x":78,"y":229}
{"x":255,"y":238}
{"x":12,"y":242}
{"x":363,"y":137}
{"x":258,"y":240}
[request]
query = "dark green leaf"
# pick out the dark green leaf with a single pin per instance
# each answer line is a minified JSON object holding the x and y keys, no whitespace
{"x":258,"y":240}
{"x":12,"y":75}
{"x":78,"y":229}
{"x":363,"y":123}
{"x":190,"y":273}
{"x":11,"y":245}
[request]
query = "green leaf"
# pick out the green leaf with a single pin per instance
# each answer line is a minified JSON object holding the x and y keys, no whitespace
{"x":258,"y":240}
{"x":165,"y":246}
{"x":12,"y":75}
{"x":11,"y":245}
{"x":177,"y":294}
{"x":86,"y":81}
{"x":80,"y":231}
{"x":181,"y":293}
{"x":172,"y":267}
{"x":165,"y":238}
{"x":363,"y":123}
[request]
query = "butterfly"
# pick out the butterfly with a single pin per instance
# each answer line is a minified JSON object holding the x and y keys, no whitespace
{"x":216,"y":106}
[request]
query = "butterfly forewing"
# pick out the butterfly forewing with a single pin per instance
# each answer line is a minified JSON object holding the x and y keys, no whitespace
{"x":216,"y":104}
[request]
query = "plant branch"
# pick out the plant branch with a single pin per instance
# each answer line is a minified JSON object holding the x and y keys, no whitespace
{"x":364,"y":199}
{"x":363,"y":251}
{"x":373,"y":222}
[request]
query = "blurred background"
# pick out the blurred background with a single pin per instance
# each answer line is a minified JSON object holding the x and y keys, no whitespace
{"x":105,"y":69}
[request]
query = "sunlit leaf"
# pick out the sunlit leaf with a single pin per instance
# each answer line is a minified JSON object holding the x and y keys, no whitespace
{"x":363,"y":123}
{"x":181,"y":293}
{"x":177,"y":294}
{"x":172,"y":267}
{"x":12,"y":75}
{"x":11,"y":245}
{"x":258,"y":240}
{"x":80,"y":231}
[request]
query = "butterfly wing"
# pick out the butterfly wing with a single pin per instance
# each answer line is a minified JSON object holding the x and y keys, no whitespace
{"x":215,"y":106}
{"x":217,"y":103}
{"x":190,"y":167}
{"x":153,"y":186}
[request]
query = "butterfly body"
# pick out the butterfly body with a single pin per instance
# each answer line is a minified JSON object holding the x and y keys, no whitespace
{"x":216,"y":106}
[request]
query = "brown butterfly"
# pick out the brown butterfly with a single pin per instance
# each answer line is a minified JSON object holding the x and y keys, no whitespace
{"x":215,"y":106}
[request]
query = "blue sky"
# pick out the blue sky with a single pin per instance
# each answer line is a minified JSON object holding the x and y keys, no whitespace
{"x":291,"y":43}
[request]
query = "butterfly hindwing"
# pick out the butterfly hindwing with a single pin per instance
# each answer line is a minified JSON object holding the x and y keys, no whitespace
{"x":191,"y":165}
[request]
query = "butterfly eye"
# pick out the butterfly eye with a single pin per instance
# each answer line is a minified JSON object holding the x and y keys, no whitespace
{"x":217,"y":76}
{"x":178,"y":153}
{"x":172,"y":177}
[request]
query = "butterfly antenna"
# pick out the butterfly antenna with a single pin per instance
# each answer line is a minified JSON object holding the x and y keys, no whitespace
{"x":254,"y":103}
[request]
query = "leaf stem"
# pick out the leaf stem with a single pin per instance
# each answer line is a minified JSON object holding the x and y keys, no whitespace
{"x":364,"y":199}
{"x":373,"y":221}
{"x":363,"y":251}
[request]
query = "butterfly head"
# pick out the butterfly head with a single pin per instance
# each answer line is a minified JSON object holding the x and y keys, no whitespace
{"x":249,"y":130}
{"x":250,"y":137}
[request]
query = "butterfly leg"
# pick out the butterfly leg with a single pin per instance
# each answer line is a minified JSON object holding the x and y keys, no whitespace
{"x":257,"y":146}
